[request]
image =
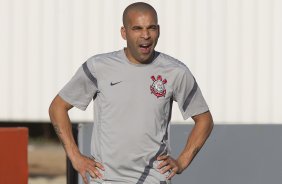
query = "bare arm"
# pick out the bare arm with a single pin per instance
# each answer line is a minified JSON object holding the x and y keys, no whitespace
{"x":58,"y":112}
{"x":198,"y":136}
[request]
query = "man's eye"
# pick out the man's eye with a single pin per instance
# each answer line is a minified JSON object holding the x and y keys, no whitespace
{"x":136,"y":28}
{"x":153,"y":28}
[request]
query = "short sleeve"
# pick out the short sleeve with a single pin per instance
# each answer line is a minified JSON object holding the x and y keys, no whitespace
{"x":188,"y":95}
{"x":81,"y":89}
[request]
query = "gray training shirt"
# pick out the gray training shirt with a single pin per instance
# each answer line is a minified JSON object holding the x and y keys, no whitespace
{"x":132,"y":111}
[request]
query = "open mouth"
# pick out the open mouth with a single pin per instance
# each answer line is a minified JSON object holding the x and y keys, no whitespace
{"x":145,"y":48}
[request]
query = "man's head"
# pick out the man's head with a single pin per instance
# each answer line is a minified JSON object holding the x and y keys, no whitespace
{"x":141,"y":32}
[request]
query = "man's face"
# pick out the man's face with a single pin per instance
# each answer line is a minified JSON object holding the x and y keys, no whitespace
{"x":141,"y":33}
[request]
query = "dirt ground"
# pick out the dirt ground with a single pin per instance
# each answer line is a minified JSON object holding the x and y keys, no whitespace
{"x":47,"y":163}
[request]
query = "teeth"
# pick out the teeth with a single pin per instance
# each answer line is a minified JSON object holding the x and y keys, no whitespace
{"x":144,"y":45}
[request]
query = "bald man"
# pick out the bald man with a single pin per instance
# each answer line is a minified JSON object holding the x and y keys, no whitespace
{"x":133,"y":90}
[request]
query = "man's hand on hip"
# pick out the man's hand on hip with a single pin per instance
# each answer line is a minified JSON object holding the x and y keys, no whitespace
{"x":169,"y":164}
{"x":85,"y":164}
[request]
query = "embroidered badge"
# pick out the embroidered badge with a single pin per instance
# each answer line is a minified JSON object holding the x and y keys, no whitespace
{"x":158,"y":86}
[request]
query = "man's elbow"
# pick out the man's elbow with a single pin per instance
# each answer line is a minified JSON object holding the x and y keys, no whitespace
{"x":52,"y":109}
{"x":211,"y":125}
{"x":205,"y":120}
{"x":210,"y":121}
{"x":58,"y":105}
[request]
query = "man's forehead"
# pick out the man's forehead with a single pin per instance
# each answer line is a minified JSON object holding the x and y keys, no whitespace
{"x":138,"y":9}
{"x":135,"y":17}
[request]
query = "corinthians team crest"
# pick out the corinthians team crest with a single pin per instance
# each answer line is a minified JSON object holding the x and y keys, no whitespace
{"x":158,"y":87}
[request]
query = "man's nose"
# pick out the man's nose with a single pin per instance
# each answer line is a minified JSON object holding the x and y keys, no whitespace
{"x":146,"y":34}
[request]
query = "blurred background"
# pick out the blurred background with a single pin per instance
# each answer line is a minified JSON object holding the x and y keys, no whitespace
{"x":233,"y":48}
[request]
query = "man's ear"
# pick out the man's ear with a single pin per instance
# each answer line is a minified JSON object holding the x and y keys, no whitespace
{"x":123,"y":32}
